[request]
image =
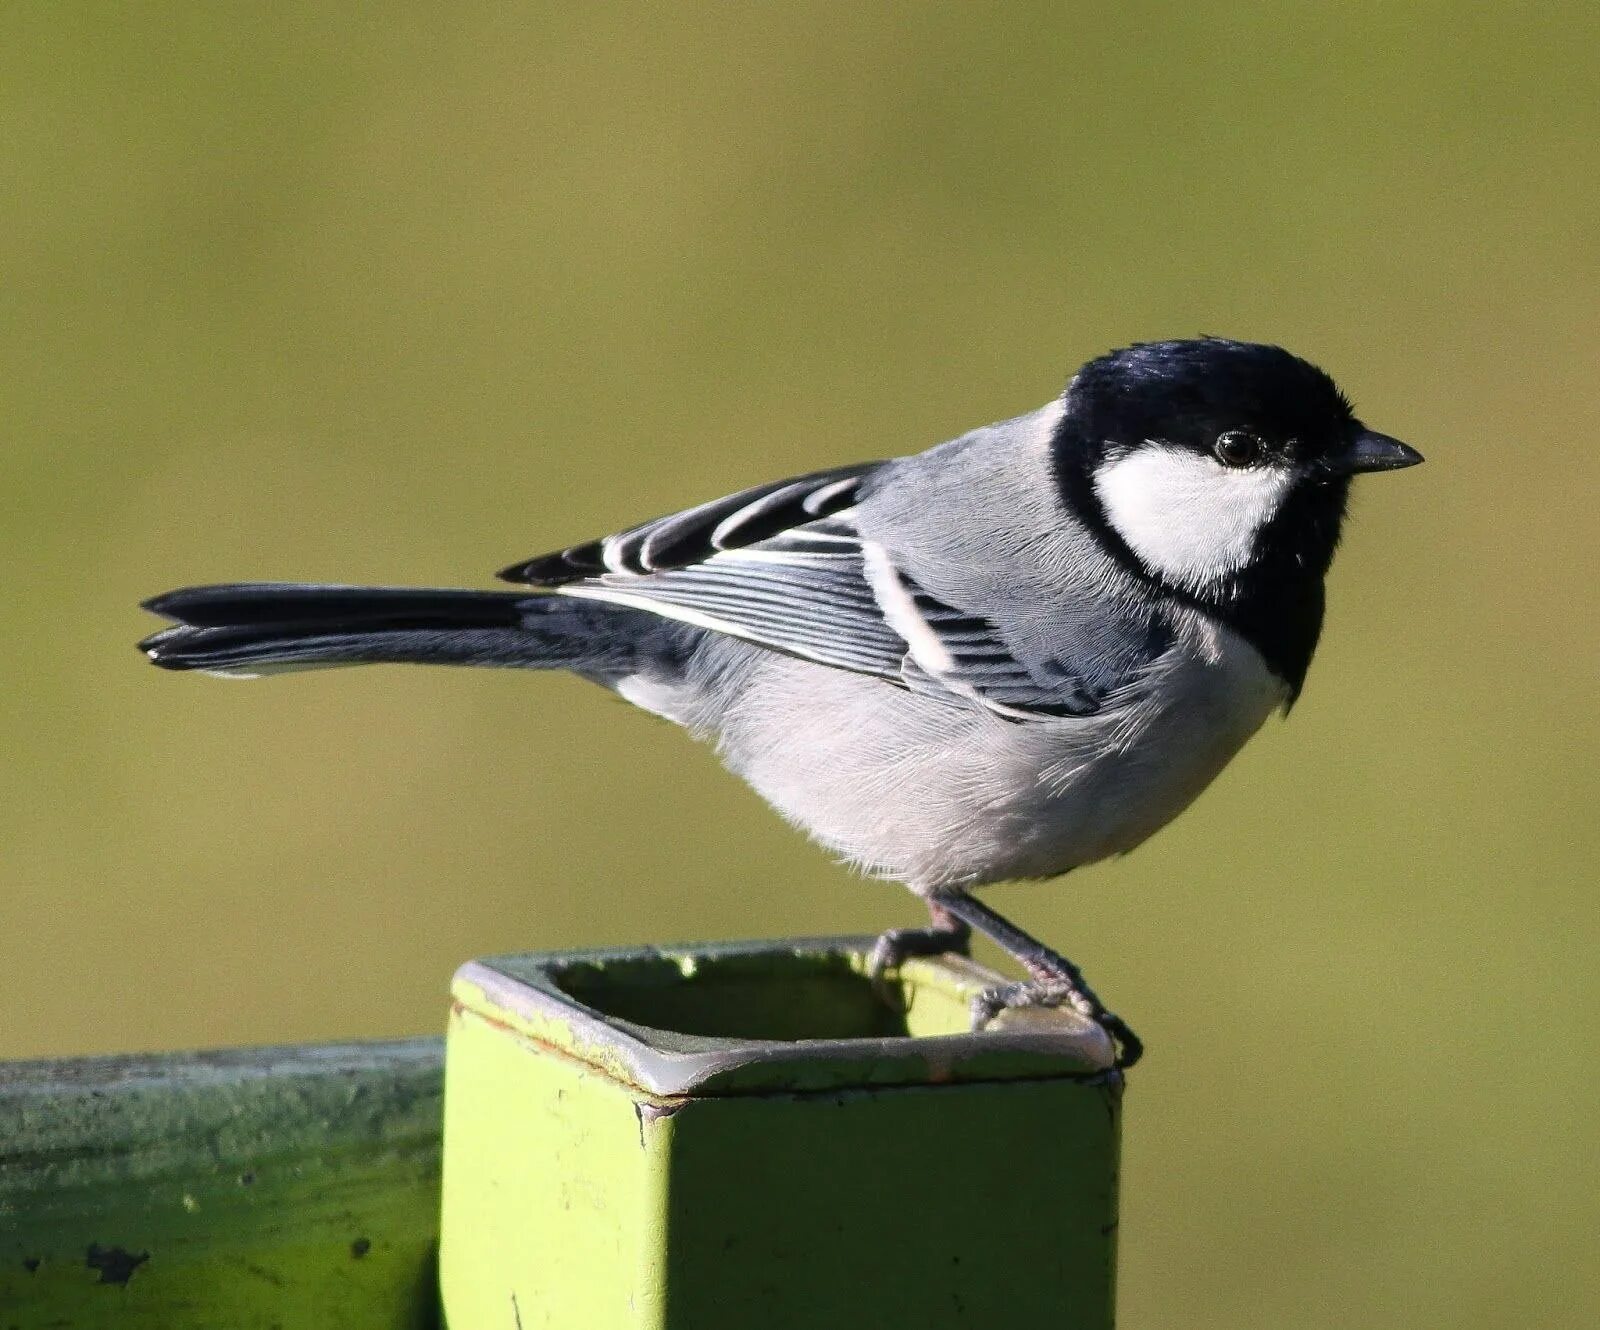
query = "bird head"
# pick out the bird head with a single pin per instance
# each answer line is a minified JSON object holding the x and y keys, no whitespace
{"x":1208,"y":460}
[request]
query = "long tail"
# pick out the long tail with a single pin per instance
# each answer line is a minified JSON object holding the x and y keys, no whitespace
{"x":252,"y":628}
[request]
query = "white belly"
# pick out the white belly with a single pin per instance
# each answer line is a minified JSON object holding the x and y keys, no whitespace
{"x":934,"y":795}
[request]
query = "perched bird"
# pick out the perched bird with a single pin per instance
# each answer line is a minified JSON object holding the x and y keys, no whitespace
{"x":1021,"y":651}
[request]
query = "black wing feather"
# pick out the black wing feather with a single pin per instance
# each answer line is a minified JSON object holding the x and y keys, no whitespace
{"x":695,"y":534}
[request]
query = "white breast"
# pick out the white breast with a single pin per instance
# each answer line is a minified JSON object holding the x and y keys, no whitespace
{"x":933,"y":794}
{"x":1150,"y":761}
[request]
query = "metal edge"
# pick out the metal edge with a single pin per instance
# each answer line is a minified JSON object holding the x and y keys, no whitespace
{"x":672,"y":1064}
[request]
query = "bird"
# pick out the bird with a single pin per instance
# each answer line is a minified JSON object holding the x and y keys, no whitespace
{"x":1011,"y":655}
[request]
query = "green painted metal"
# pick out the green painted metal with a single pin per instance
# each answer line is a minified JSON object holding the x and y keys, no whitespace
{"x":286,"y":1187}
{"x":799,"y":1148}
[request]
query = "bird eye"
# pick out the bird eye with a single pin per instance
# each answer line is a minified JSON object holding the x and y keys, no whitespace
{"x":1238,"y":448}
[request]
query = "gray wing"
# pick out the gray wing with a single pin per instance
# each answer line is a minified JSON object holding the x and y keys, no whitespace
{"x":784,"y":566}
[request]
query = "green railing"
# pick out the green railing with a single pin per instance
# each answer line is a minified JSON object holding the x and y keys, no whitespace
{"x":708,"y":1137}
{"x":279,"y":1186}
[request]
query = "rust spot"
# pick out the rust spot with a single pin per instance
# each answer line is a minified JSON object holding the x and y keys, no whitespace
{"x":115,"y":1264}
{"x":359,"y":1248}
{"x":645,"y":1113}
{"x":666,"y":1110}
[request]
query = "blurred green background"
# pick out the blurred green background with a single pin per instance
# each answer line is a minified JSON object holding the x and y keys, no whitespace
{"x":402,"y":292}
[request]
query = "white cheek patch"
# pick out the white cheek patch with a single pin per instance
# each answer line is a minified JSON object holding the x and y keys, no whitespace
{"x":1184,"y":514}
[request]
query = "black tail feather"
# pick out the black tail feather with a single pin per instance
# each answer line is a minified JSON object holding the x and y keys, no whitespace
{"x":234,"y":604}
{"x":261,"y":627}
{"x":243,"y":628}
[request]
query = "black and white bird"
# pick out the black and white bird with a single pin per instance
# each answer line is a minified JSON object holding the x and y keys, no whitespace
{"x":1024,"y":650}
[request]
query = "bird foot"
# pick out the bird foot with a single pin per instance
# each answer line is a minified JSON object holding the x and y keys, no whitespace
{"x":1054,"y":992}
{"x":895,"y":946}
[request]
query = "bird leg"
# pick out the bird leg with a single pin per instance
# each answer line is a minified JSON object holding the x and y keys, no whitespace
{"x":1055,"y":979}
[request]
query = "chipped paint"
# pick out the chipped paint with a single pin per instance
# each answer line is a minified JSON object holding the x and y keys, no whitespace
{"x":115,"y":1264}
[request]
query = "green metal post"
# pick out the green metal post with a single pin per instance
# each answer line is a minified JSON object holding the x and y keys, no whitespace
{"x":756,"y":1135}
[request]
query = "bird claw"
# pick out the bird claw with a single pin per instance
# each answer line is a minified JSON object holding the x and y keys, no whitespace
{"x":895,"y":946}
{"x":1013,"y":997}
{"x":1043,"y":992}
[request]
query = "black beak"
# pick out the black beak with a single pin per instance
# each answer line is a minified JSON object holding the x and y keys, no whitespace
{"x":1371,"y":451}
